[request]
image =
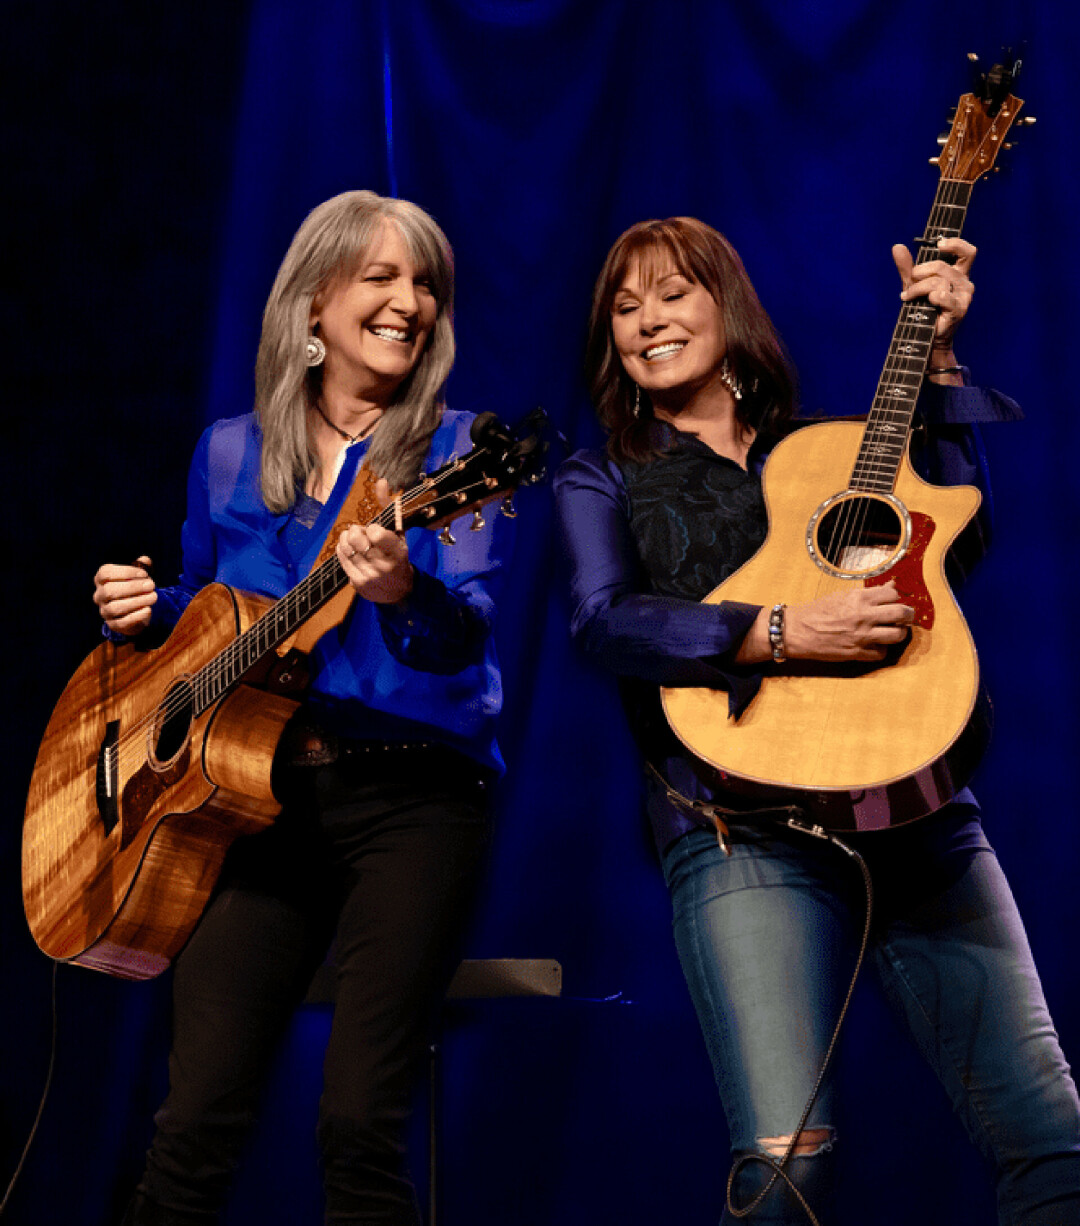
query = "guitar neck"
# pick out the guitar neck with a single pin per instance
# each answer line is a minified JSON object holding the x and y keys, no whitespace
{"x":890,"y":420}
{"x":276,"y":625}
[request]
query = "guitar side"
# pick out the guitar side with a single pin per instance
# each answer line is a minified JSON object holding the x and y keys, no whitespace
{"x":115,"y":876}
{"x":864,"y":746}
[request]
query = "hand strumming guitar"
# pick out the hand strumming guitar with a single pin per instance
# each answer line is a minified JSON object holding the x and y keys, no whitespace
{"x":125,"y":595}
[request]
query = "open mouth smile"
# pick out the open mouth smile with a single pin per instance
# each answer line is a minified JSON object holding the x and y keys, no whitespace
{"x":392,"y":334}
{"x":668,"y":349}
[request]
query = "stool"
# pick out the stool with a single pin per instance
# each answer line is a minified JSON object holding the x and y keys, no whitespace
{"x":482,"y":979}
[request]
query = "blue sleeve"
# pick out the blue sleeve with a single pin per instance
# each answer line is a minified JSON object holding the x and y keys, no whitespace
{"x":445,"y":623}
{"x":435,"y":630}
{"x":662,"y":639}
{"x":950,"y":452}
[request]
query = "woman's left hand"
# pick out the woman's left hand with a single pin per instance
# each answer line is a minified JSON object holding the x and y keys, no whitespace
{"x":944,"y":285}
{"x":376,"y":560}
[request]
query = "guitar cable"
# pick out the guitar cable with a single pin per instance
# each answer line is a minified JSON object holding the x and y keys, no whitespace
{"x":778,"y":1165}
{"x":44,"y":1098}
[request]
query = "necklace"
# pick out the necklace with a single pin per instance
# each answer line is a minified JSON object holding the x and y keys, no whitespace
{"x":349,"y":438}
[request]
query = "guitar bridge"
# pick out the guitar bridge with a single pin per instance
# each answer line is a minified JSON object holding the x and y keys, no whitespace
{"x":107,"y":781}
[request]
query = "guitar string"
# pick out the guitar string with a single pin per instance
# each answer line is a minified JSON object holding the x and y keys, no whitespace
{"x":882,"y":436}
{"x":130,"y":745}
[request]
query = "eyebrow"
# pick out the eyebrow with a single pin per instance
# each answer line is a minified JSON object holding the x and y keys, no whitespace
{"x":623,"y":289}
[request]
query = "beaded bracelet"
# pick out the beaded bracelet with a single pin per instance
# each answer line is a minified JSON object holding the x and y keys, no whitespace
{"x":776,"y":633}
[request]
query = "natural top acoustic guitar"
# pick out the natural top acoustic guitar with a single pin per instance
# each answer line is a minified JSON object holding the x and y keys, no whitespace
{"x":865,"y":747}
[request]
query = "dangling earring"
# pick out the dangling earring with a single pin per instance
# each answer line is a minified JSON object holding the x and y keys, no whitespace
{"x":637,"y":402}
{"x":729,"y":380}
{"x":315,"y":351}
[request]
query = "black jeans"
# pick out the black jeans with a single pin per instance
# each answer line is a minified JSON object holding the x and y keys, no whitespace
{"x":380,"y":852}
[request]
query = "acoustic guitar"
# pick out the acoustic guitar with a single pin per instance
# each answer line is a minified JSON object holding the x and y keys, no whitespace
{"x":155,"y":761}
{"x":865,"y":747}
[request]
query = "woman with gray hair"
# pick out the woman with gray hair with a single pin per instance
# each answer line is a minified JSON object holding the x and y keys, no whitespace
{"x":383,"y":773}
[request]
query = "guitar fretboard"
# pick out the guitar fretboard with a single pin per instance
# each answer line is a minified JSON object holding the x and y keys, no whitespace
{"x":889,"y":423}
{"x":282,"y":619}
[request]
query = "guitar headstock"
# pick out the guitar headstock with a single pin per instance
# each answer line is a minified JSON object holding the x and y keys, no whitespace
{"x":501,"y":461}
{"x":982,"y":121}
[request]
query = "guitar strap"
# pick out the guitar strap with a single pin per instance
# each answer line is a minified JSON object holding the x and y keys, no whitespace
{"x":360,"y":507}
{"x":715,"y":814}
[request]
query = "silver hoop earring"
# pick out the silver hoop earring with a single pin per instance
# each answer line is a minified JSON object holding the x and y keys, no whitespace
{"x":729,"y":380}
{"x":315,"y":351}
{"x":637,"y":402}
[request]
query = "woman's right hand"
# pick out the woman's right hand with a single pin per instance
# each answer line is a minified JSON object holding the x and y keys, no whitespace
{"x":124,"y":596}
{"x":860,"y":624}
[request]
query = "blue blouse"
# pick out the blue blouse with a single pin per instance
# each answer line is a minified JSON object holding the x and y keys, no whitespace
{"x":619,"y":618}
{"x":423,"y":670}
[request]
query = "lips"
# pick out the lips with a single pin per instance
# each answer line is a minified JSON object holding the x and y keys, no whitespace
{"x":400,"y":335}
{"x":667,"y":350}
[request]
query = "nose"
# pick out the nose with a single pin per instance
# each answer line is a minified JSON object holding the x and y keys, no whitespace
{"x":404,"y":298}
{"x":651,"y":316}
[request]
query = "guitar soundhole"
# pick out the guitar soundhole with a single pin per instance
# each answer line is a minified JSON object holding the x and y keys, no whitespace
{"x":172,"y":724}
{"x":858,"y":536}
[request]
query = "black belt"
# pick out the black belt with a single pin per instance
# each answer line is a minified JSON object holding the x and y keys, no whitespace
{"x":306,"y":745}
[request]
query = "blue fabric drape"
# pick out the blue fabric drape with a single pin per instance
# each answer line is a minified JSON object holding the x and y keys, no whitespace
{"x":167,"y":160}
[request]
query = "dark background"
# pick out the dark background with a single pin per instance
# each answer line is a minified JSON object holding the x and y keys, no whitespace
{"x":158,"y":159}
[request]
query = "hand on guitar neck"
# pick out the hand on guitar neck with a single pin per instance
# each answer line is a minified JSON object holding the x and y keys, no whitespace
{"x":125,"y":596}
{"x":861,"y":625}
{"x":946,"y":285}
{"x":376,"y":559}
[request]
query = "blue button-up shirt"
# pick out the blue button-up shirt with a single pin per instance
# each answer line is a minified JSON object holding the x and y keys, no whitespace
{"x":422,"y":670}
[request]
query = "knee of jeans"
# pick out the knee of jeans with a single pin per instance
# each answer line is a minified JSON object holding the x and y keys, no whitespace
{"x":809,"y":1171}
{"x":811,"y":1142}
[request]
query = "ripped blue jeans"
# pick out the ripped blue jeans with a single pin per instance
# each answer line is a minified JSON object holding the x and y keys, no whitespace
{"x":768,"y":937}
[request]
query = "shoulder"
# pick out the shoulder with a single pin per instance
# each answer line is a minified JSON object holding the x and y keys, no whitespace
{"x":589,"y":469}
{"x":451,"y":438}
{"x":230,"y":446}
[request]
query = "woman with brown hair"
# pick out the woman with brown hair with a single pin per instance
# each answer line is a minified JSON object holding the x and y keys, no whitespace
{"x":690,"y":379}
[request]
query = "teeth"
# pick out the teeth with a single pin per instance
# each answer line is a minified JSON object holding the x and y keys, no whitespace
{"x":659,"y":351}
{"x":391,"y":334}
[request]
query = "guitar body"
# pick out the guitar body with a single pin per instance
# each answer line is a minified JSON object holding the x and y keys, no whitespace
{"x":134,"y":800}
{"x":861,"y":747}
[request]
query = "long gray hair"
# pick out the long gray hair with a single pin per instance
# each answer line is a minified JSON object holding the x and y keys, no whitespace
{"x":331,"y":243}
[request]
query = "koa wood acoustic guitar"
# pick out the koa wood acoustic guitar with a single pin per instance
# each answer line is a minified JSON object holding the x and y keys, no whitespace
{"x":155,"y":761}
{"x":865,"y":747}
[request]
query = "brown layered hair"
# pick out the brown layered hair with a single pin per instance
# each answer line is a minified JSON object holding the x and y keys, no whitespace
{"x":754,"y":350}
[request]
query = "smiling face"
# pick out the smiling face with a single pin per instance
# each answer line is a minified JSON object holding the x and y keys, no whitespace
{"x":668,"y":330}
{"x":376,"y":321}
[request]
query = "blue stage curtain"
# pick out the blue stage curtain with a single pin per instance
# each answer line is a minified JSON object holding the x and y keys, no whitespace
{"x":167,"y":160}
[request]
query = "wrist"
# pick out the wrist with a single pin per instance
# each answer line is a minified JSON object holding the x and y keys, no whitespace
{"x":776,"y":634}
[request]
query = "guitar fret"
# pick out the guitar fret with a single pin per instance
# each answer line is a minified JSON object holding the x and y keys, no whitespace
{"x":892,"y":410}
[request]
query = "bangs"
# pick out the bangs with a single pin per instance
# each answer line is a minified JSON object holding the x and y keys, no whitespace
{"x":656,"y":246}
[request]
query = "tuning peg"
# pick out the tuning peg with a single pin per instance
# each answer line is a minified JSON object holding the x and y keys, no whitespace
{"x":935,"y":161}
{"x":1028,"y":120}
{"x":446,"y":537}
{"x":943,"y":138}
{"x":478,"y":521}
{"x":507,"y":508}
